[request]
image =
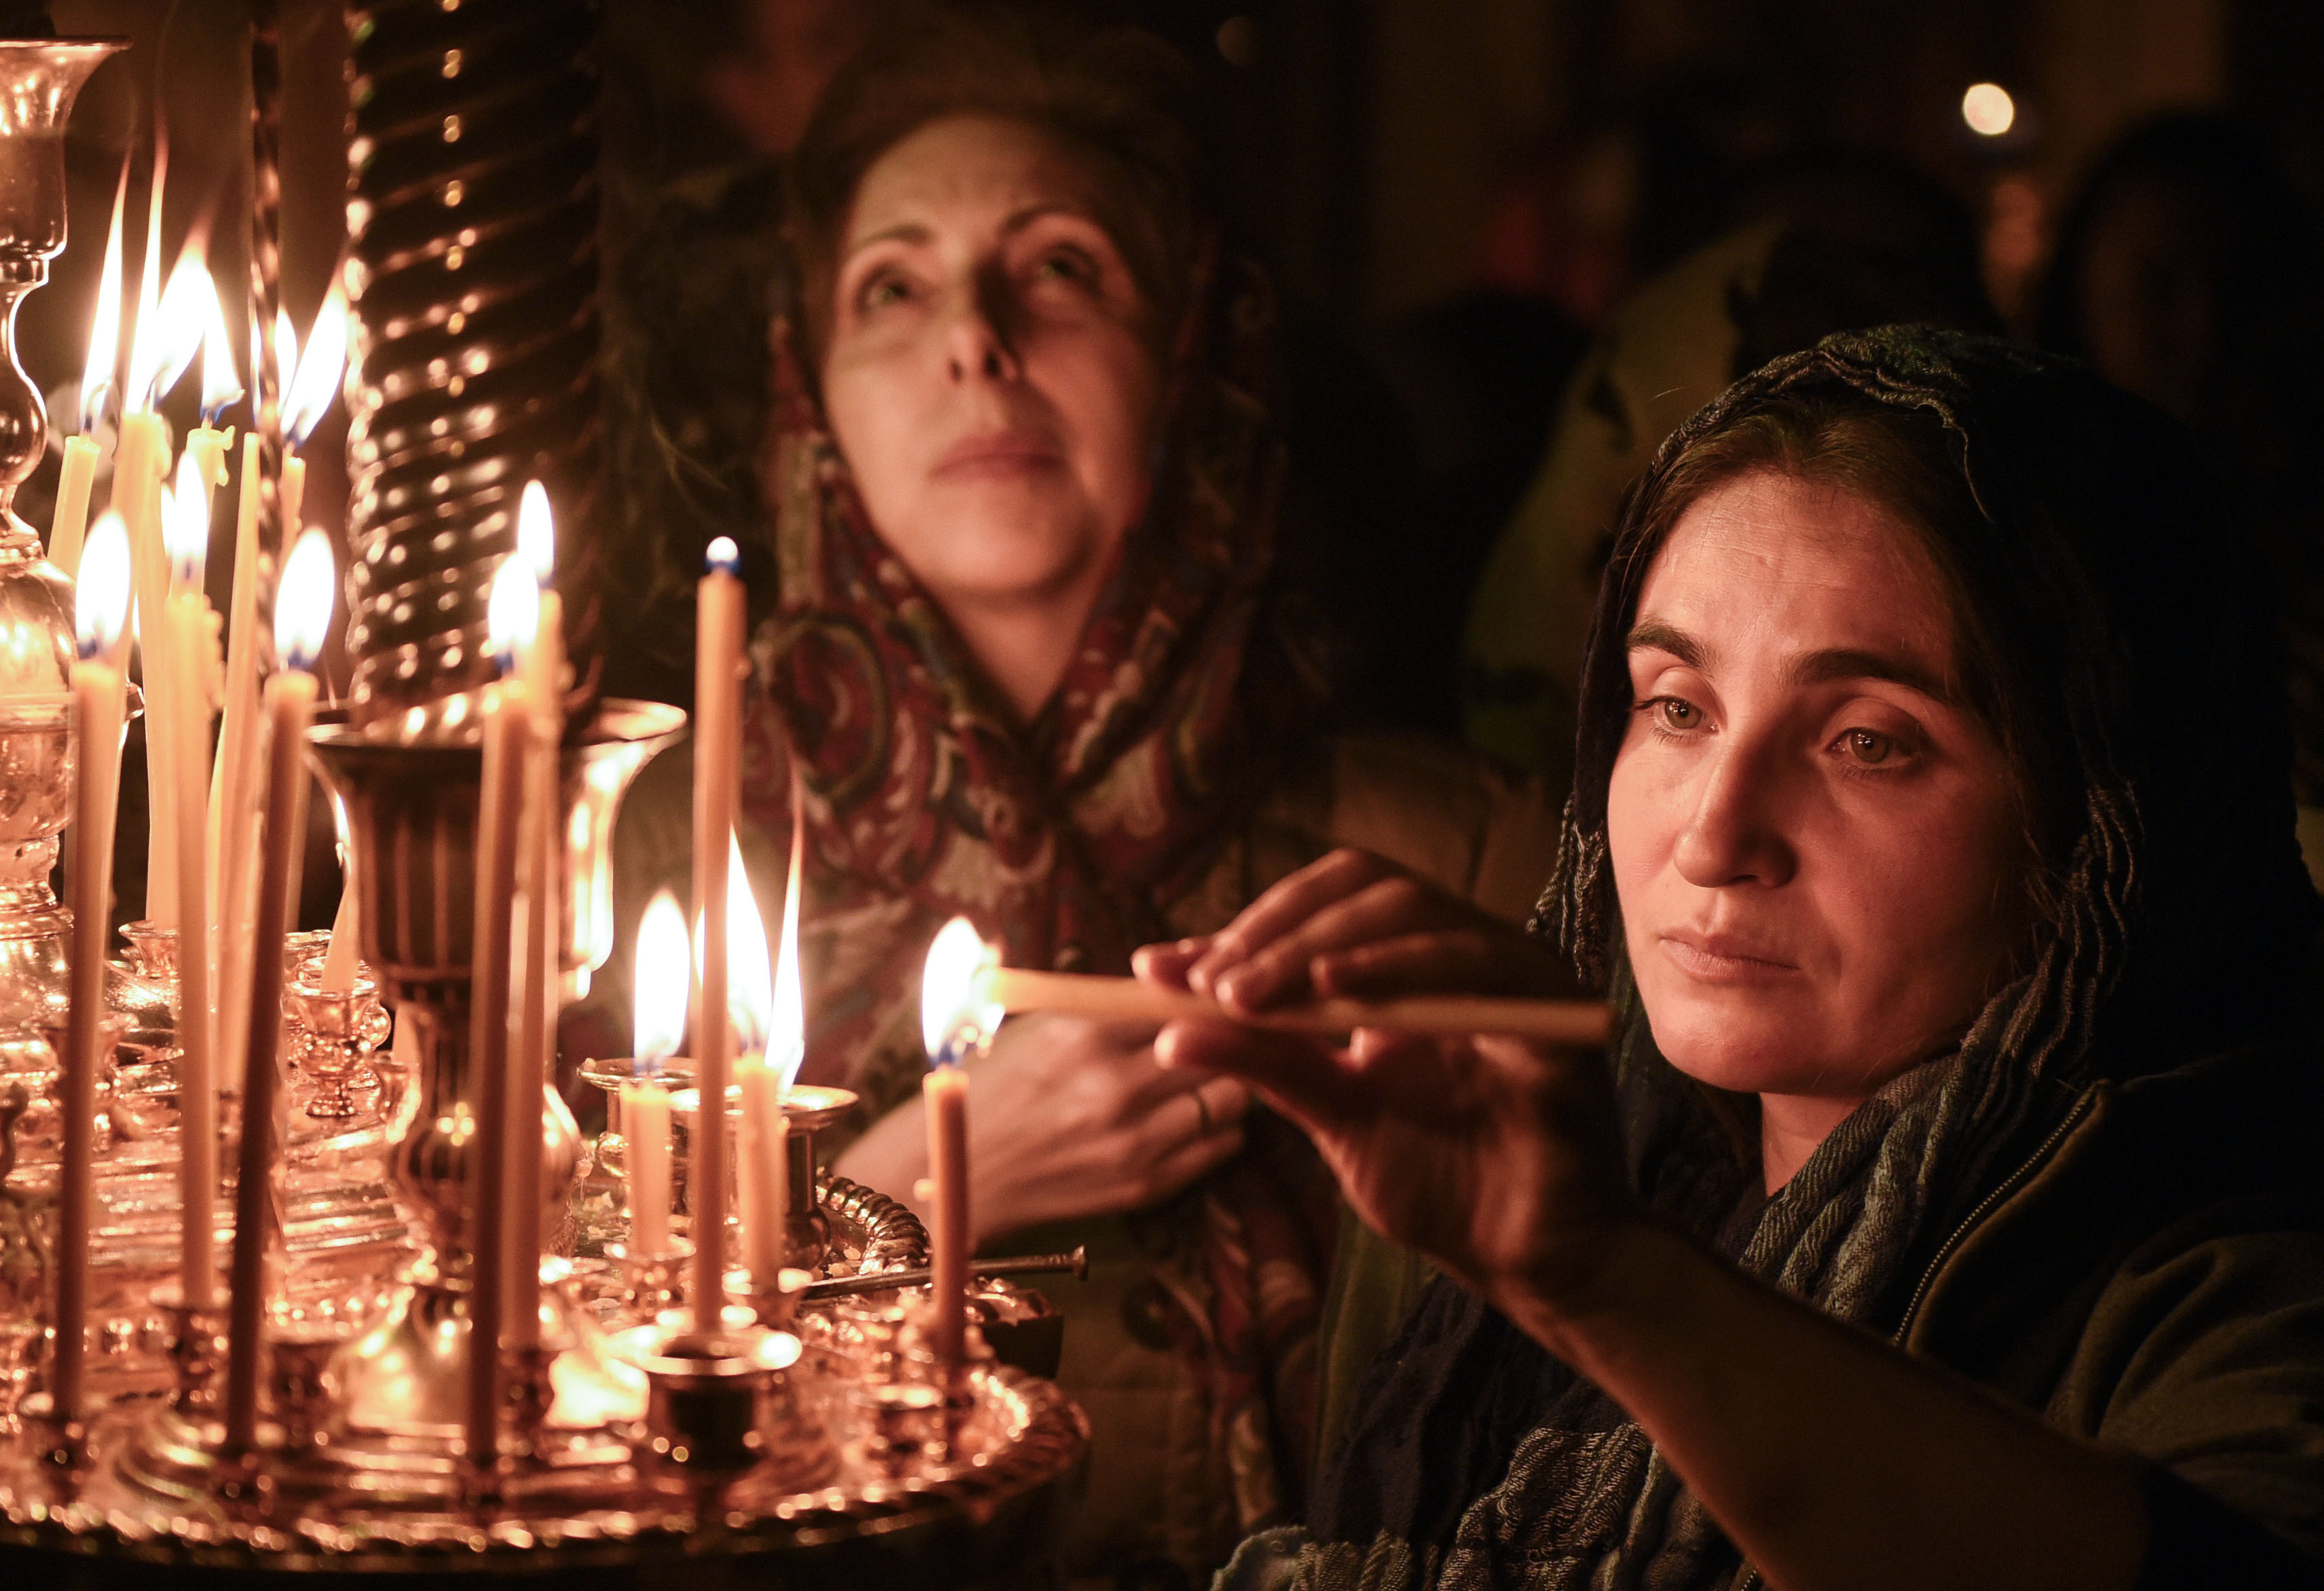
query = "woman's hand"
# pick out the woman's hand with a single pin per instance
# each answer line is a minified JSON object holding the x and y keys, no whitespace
{"x":1356,"y":924}
{"x":1501,"y":1161}
{"x":1066,"y":1117}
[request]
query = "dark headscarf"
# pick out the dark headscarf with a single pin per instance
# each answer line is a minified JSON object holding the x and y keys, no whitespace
{"x":2181,"y":913}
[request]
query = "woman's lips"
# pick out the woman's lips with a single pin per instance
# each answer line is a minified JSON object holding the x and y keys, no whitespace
{"x":1724,"y":958}
{"x":1008,"y":453}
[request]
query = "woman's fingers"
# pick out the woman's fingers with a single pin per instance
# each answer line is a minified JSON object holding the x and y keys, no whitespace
{"x":1474,"y":960}
{"x":1285,"y":905}
{"x":1298,"y":1076}
{"x":1396,"y":907}
{"x":1166,"y":965}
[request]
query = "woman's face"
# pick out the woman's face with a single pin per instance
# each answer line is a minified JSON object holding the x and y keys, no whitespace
{"x":1814,"y":840}
{"x":990,"y":375}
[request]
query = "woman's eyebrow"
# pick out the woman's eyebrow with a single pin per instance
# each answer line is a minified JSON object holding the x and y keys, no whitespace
{"x":911,"y":232}
{"x":1844,"y":662}
{"x":1656,"y":635}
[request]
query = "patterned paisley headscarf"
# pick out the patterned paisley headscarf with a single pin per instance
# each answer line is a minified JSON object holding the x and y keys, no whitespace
{"x":1065,"y":840}
{"x":2098,"y":554}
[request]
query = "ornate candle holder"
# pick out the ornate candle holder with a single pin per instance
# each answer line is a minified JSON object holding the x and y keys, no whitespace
{"x":336,"y":1032}
{"x":410,"y":791}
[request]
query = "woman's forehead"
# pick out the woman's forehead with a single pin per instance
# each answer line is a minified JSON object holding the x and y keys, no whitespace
{"x":1770,"y":564}
{"x":975,"y":174}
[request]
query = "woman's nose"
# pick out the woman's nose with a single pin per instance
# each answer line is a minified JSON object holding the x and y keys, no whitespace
{"x":975,"y":343}
{"x":1735,"y":834}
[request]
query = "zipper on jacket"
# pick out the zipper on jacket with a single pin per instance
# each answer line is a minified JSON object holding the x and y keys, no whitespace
{"x":2008,"y":1185}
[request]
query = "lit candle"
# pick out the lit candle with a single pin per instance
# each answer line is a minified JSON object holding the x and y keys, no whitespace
{"x":96,"y":384}
{"x":540,"y":663}
{"x":303,"y":616}
{"x":234,"y":788}
{"x":507,"y":727}
{"x":309,"y":396}
{"x":181,"y":647}
{"x":664,"y":972}
{"x":102,"y":612}
{"x":169,"y":331}
{"x":717,"y":756}
{"x":957,"y":1020}
{"x":749,"y":1008}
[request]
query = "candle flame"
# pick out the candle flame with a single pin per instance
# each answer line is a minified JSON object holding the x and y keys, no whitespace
{"x":786,"y":1045}
{"x":101,"y":604}
{"x":750,"y":984}
{"x":665,"y":979}
{"x":302,"y":606}
{"x":97,"y":377}
{"x":186,"y":522}
{"x":958,"y":1013}
{"x":323,"y":362}
{"x":170,"y":335}
{"x":536,"y":535}
{"x":513,"y":614}
{"x":722,"y":557}
{"x":145,"y":354}
{"x":221,"y":382}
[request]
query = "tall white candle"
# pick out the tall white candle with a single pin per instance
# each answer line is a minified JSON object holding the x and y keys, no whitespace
{"x":98,"y":695}
{"x":717,"y":754}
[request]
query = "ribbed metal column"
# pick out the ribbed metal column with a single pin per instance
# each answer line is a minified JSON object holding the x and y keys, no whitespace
{"x":473,"y":214}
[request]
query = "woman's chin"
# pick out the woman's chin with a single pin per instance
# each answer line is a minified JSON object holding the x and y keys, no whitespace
{"x":1745,"y":1040}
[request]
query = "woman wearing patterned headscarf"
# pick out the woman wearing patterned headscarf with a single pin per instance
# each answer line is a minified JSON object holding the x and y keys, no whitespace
{"x":1950,"y":1216}
{"x":1027,"y":665}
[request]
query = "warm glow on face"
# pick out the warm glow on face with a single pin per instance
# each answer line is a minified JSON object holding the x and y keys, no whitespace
{"x":514,"y":613}
{"x":1989,"y":110}
{"x":105,"y":332}
{"x":302,"y":606}
{"x":307,"y":397}
{"x":957,"y":1011}
{"x":664,"y":980}
{"x":536,"y":535}
{"x":750,"y":984}
{"x":167,"y":339}
{"x":186,"y":522}
{"x":786,"y":1045}
{"x":101,"y":602}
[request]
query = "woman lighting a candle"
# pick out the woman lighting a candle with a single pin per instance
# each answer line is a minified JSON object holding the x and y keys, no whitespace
{"x":1947,"y":1215}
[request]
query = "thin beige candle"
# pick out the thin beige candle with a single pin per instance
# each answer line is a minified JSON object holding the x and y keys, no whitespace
{"x":183,"y":657}
{"x":718,"y":747}
{"x":762,"y":1180}
{"x":301,"y":619}
{"x":137,"y":470}
{"x":645,"y":1127}
{"x":234,"y":788}
{"x":74,"y":479}
{"x":542,"y":664}
{"x":507,"y":727}
{"x":98,"y":695}
{"x":945,"y":1095}
{"x":1116,"y":999}
{"x":661,"y":976}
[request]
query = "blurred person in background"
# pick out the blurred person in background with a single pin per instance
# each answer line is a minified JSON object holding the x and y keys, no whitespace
{"x":1820,"y":244}
{"x":2187,"y":271}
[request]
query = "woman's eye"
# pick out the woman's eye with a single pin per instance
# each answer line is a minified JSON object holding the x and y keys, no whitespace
{"x":1064,"y":265}
{"x":882,"y":290}
{"x":1867,"y":747}
{"x":1680,"y":716}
